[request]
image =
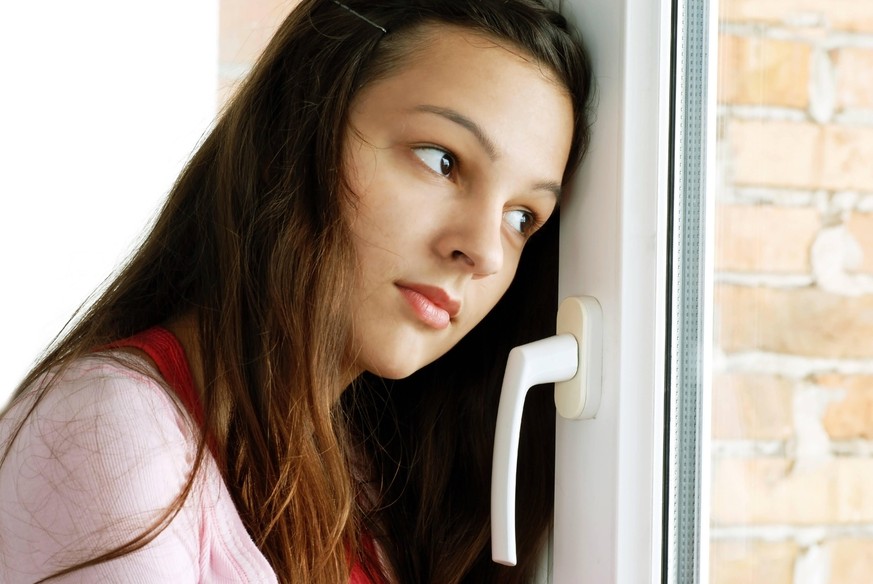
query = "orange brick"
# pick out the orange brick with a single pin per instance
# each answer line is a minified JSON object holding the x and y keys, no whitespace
{"x":754,"y":70}
{"x":751,"y":407}
{"x":840,"y":381}
{"x":805,"y":321}
{"x":854,"y":81}
{"x":799,"y":154}
{"x":860,"y":226}
{"x":848,"y":158}
{"x":851,"y":560}
{"x":848,"y":15}
{"x":765,"y":238}
{"x":775,"y":154}
{"x":245,"y":27}
{"x":852,"y":416}
{"x":741,"y":562}
{"x":760,"y":491}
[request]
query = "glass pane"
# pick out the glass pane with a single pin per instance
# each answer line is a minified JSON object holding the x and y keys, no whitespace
{"x":689,"y":294}
{"x":792,"y":389}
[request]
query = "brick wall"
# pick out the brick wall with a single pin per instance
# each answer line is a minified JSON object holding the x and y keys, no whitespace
{"x":792,"y":483}
{"x":245,"y":27}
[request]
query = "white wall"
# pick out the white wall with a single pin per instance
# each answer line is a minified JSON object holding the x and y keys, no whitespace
{"x":101,"y":103}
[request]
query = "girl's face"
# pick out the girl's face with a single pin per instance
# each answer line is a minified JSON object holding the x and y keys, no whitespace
{"x":453,"y":161}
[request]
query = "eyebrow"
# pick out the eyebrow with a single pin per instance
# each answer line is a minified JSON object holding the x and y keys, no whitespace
{"x":550,"y":186}
{"x":465,"y":122}
{"x":484,"y":140}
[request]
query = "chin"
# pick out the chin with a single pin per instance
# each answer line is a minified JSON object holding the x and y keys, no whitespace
{"x":397,"y":365}
{"x":394,"y":371}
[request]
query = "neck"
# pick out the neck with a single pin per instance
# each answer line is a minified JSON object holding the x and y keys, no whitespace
{"x":185,"y":329}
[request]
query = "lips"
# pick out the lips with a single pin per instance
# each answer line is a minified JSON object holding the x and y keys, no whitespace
{"x":432,"y":305}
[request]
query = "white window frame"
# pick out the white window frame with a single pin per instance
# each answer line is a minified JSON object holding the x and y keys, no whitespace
{"x":608,"y":523}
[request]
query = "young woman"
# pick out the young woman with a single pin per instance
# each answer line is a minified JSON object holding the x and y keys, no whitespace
{"x":295,"y":377}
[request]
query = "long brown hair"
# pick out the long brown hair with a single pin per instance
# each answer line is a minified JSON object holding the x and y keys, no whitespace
{"x":252,"y":240}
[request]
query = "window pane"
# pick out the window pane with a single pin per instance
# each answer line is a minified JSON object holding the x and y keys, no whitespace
{"x":792,"y":389}
{"x":687,"y":309}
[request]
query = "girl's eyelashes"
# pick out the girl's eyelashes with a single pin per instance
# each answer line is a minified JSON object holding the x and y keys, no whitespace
{"x":522,"y":220}
{"x":438,"y":160}
{"x":443,"y":163}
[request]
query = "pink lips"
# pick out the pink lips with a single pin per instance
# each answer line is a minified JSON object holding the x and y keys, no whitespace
{"x":433,"y":306}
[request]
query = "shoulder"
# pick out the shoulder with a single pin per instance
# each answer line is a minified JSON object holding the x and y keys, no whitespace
{"x":105,"y":451}
{"x":100,"y":405}
{"x":102,"y":383}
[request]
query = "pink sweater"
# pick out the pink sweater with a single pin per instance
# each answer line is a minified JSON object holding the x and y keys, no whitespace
{"x":103,"y":454}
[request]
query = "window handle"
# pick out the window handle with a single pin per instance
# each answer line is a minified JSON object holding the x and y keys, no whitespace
{"x":572,"y":360}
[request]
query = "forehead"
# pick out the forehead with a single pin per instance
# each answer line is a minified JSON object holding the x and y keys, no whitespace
{"x":526,"y":114}
{"x":418,"y":47}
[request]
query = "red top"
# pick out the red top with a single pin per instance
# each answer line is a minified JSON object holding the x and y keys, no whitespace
{"x":164,"y":349}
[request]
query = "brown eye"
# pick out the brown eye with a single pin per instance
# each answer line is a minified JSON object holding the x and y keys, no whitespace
{"x":437,"y":159}
{"x":521,"y":220}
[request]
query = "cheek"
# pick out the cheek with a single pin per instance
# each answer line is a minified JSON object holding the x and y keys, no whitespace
{"x":359,"y":159}
{"x":386,"y":203}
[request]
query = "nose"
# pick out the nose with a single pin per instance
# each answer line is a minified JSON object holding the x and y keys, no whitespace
{"x":474,"y":241}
